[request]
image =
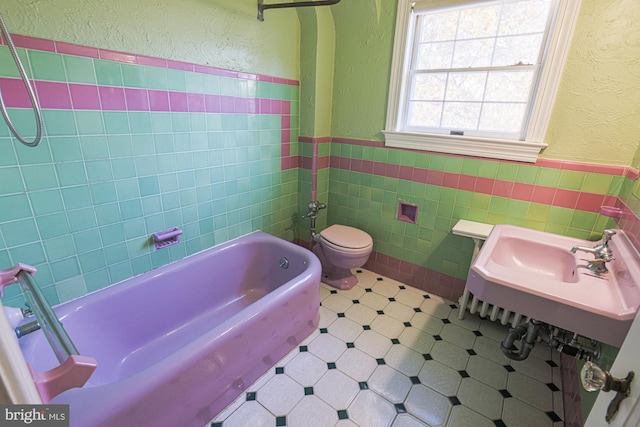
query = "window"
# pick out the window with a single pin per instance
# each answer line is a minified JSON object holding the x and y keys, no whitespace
{"x":477,"y":77}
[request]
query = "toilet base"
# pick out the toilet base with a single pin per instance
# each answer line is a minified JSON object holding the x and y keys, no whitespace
{"x":344,"y":281}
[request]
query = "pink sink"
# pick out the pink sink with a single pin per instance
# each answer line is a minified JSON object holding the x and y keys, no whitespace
{"x":533,"y":273}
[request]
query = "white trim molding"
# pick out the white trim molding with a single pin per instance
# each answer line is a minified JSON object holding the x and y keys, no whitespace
{"x":526,"y":149}
{"x":503,"y":149}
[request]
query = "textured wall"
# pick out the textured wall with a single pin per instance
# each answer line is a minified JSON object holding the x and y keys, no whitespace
{"x":364,"y":42}
{"x":223,"y":33}
{"x":595,"y":118}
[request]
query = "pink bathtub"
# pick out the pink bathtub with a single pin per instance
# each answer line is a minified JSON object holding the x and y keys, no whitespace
{"x":176,"y":345}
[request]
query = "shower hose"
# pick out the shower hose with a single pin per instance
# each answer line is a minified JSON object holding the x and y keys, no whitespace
{"x":32,"y":97}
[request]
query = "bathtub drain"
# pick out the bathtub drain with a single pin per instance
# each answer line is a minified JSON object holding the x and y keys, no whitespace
{"x":284,"y":263}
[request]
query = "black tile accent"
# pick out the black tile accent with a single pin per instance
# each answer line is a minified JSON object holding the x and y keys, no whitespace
{"x":392,"y":299}
{"x":509,"y":368}
{"x":553,"y":387}
{"x":215,"y":425}
{"x":427,"y":356}
{"x":355,"y":301}
{"x":425,"y":296}
{"x":417,"y":310}
{"x":363,"y":385}
{"x":453,"y":306}
{"x":380,"y":312}
{"x":379,"y":279}
{"x":446,"y":321}
{"x":323,"y":330}
{"x":415,"y":380}
{"x":554,"y":417}
{"x":400,"y":409}
{"x":368,"y":290}
{"x":395,"y":341}
{"x":303,"y":348}
{"x":407,"y":324}
{"x":437,"y":337}
{"x":279,"y":370}
{"x":471,"y":352}
{"x":499,"y":423}
{"x":358,"y":271}
{"x":331,"y":365}
{"x":477,"y":333}
{"x":281,"y":421}
{"x":454,"y":401}
{"x":333,"y":291}
{"x":381,"y":361}
{"x":402,"y":287}
{"x":340,"y":314}
{"x":342,"y":414}
{"x":251,"y":396}
{"x":552,"y":363}
{"x":505,"y":393}
{"x":351,"y":345}
{"x":366,"y":327}
{"x":463,"y":374}
{"x":308,"y":391}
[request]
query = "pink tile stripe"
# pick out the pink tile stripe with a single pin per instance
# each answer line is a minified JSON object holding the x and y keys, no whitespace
{"x":84,"y":96}
{"x":545,"y":163}
{"x":53,"y":46}
{"x":572,"y":199}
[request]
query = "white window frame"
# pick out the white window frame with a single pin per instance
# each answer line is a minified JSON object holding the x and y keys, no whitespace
{"x":526,"y":150}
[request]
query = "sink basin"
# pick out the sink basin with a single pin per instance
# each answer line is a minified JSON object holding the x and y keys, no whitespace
{"x":533,"y":273}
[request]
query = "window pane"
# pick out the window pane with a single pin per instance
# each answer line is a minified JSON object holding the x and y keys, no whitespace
{"x":439,"y":27}
{"x":466,"y":86}
{"x":461,"y":115}
{"x":429,"y":87}
{"x":524,"y":17}
{"x":473,"y":53}
{"x":504,"y":117}
{"x":479,"y":22}
{"x":509,"y":86}
{"x":434,"y":56}
{"x":517,"y":49}
{"x":473,"y":67}
{"x":425,"y":114}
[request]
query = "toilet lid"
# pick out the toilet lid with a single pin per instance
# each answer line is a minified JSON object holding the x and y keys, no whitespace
{"x":347,"y":237}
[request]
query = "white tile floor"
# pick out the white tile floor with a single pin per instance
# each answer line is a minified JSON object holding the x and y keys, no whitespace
{"x":387,"y":354}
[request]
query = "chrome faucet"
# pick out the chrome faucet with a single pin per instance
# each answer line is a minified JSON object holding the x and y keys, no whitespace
{"x":314,"y":206}
{"x":601,"y":252}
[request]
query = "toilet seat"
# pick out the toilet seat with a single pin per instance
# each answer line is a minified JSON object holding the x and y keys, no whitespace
{"x":346,"y":239}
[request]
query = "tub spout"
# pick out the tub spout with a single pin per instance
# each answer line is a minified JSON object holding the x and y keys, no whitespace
{"x":27,"y":328}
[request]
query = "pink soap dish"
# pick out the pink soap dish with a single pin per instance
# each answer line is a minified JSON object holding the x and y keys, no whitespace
{"x":611,"y":211}
{"x":164,"y":238}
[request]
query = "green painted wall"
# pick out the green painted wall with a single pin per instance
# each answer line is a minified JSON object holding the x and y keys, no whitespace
{"x":222,"y":33}
{"x":595,"y":115}
{"x":317,"y":55}
{"x":364,"y":42}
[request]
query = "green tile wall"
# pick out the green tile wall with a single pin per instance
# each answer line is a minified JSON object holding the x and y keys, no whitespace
{"x":82,"y":206}
{"x":370,"y":202}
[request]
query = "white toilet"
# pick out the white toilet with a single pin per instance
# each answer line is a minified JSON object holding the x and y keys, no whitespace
{"x":341,"y":248}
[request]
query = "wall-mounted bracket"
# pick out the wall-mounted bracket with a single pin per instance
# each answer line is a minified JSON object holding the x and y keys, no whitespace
{"x":262,"y":7}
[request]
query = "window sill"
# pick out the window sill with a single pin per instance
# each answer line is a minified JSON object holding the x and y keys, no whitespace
{"x":519,"y":151}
